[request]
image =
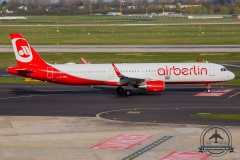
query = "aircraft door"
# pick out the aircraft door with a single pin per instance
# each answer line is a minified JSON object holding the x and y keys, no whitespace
{"x":49,"y":72}
{"x":111,"y":72}
{"x":211,"y":70}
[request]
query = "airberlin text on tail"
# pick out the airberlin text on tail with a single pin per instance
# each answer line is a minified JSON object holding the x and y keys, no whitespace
{"x":25,"y":54}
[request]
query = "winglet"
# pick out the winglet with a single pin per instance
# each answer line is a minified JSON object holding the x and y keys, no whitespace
{"x":116,"y":70}
{"x":83,"y":60}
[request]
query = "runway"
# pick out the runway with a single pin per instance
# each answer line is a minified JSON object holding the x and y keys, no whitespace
{"x":131,"y":48}
{"x":60,"y":100}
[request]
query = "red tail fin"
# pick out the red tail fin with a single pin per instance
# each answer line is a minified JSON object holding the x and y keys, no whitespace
{"x":26,"y":56}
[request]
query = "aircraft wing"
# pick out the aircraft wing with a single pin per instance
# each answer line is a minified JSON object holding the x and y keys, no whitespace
{"x":219,"y":136}
{"x":212,"y":137}
{"x":124,"y":79}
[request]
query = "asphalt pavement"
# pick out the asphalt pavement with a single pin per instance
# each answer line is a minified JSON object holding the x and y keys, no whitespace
{"x":171,"y":106}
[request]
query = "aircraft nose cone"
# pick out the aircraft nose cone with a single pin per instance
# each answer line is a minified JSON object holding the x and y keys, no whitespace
{"x":231,"y":75}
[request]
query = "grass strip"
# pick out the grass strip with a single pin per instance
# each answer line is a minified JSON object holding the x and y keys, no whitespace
{"x":111,"y":20}
{"x":8,"y":59}
{"x":217,"y":116}
{"x":126,"y":35}
{"x":10,"y":80}
{"x":20,"y":80}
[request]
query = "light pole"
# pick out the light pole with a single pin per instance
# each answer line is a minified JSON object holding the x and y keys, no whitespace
{"x":90,"y":8}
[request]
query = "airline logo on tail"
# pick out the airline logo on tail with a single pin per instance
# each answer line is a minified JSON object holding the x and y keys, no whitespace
{"x":22,"y":50}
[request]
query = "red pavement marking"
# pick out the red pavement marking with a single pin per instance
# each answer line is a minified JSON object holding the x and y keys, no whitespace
{"x":186,"y":156}
{"x":122,"y":141}
{"x":213,"y":94}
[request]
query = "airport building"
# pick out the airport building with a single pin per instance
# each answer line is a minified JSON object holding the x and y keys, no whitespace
{"x":236,"y":16}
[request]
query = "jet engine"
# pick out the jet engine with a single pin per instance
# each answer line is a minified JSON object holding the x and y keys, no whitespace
{"x":153,"y":86}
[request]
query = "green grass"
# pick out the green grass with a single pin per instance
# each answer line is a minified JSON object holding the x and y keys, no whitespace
{"x":217,"y":116}
{"x":22,"y":81}
{"x":232,"y":82}
{"x":8,"y":59}
{"x":111,"y":20}
{"x":237,"y":73}
{"x":17,"y":81}
{"x":126,"y":35}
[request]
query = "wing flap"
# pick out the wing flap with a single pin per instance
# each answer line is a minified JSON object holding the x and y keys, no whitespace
{"x":125,"y":79}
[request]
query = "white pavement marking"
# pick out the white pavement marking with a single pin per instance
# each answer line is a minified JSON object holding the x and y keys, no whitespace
{"x":189,"y":130}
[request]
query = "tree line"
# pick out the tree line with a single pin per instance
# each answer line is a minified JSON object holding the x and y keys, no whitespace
{"x":207,"y":6}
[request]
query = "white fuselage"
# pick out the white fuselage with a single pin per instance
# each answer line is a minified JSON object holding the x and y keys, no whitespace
{"x":167,"y":72}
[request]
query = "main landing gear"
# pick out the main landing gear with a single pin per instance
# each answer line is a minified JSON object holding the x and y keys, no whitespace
{"x":120,"y":90}
{"x":208,"y":88}
{"x":126,"y":92}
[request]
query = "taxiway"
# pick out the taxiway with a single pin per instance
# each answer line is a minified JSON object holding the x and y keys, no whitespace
{"x":171,"y":106}
{"x":131,"y":48}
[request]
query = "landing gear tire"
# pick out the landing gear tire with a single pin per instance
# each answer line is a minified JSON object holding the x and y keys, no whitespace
{"x":120,"y":90}
{"x":209,"y":90}
{"x":127,"y":93}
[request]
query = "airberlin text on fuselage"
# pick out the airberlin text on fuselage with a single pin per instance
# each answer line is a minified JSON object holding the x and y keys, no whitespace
{"x":195,"y":70}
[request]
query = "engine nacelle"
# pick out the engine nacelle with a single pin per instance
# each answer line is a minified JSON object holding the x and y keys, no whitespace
{"x":153,"y":86}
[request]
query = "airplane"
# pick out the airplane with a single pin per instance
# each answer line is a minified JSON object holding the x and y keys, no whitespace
{"x":215,"y":135}
{"x":151,"y":77}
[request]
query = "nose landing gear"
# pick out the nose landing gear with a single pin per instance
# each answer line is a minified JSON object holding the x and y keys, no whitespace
{"x":128,"y":92}
{"x":208,"y":88}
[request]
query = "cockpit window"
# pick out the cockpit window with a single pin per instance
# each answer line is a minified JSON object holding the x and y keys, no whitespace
{"x":223,"y":69}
